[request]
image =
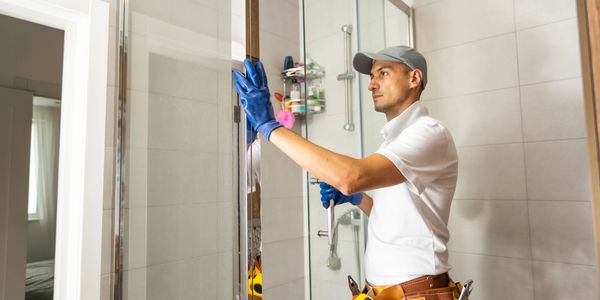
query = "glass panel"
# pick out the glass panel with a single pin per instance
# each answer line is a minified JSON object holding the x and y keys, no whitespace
{"x":281,"y":205}
{"x":178,"y":171}
{"x":370,"y":25}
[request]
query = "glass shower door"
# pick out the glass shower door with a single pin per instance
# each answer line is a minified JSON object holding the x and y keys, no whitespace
{"x":330,"y":42}
{"x":178,"y":152}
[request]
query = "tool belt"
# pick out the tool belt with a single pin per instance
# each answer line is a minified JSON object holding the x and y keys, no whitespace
{"x":429,"y":287}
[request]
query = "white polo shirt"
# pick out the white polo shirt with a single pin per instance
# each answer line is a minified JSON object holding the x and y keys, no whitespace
{"x":408,"y":229}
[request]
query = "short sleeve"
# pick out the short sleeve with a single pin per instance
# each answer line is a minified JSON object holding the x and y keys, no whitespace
{"x":421,"y":153}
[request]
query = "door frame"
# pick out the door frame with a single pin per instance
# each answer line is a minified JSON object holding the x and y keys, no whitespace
{"x":82,"y":130}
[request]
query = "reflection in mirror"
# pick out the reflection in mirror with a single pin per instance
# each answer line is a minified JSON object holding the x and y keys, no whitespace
{"x":254,"y":220}
{"x":30,"y":86}
{"x":43,"y":179}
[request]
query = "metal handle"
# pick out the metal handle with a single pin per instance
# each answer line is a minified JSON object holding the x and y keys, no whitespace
{"x":348,"y":75}
{"x":330,"y":221}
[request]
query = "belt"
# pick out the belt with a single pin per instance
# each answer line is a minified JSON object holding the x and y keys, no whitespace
{"x":425,"y":282}
{"x":428,"y":287}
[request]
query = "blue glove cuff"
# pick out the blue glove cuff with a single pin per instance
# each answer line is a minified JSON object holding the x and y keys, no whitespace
{"x":356,"y":198}
{"x":266,"y":128}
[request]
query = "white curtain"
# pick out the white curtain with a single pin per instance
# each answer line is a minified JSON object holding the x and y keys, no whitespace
{"x":47,"y":124}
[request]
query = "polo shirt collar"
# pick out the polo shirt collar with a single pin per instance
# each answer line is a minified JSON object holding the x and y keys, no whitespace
{"x":406,"y":118}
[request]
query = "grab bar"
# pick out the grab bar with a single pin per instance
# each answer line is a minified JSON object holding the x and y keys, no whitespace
{"x":348,"y":75}
{"x":330,"y":217}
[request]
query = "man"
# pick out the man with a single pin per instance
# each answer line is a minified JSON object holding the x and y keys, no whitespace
{"x":412,"y":176}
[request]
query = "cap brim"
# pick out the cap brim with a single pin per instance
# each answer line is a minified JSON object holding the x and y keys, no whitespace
{"x":363,"y":61}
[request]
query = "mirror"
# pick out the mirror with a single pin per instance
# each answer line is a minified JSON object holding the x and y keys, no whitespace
{"x":30,"y":109}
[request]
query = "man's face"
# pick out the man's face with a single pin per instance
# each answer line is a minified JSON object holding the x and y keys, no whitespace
{"x":390,"y":85}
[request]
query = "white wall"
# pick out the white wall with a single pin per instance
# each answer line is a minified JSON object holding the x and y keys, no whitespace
{"x":505,"y":78}
{"x":282,"y":202}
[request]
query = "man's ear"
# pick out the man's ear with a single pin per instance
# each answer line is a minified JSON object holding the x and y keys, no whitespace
{"x":416,"y":78}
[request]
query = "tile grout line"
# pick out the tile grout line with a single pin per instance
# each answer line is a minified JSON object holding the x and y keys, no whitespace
{"x":518,"y":85}
{"x":524,"y":142}
{"x":532,"y":260}
{"x":523,"y":149}
{"x":514,"y":31}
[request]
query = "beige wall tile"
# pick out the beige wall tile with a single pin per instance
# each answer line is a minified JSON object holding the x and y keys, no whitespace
{"x":478,"y":66}
{"x":163,"y":281}
{"x":492,"y":276}
{"x":444,"y":24}
{"x":224,"y":275}
{"x":480,"y":119}
{"x":491,"y":172}
{"x":558,"y":170}
{"x":283,"y":262}
{"x":134,"y":284}
{"x":136,"y":177}
{"x":396,"y":24}
{"x":199,"y":277}
{"x":292,"y":291}
{"x":335,"y":138}
{"x":164,"y":178}
{"x":529,"y":13}
{"x":554,"y":281}
{"x":549,"y":52}
{"x":182,"y":78}
{"x":164,"y":234}
{"x":225,"y":225}
{"x":562,"y":232}
{"x":135,"y":253}
{"x":198,"y":180}
{"x":330,"y":290}
{"x":323,"y":21}
{"x":181,"y":124}
{"x":553,"y":110}
{"x":273,"y":51}
{"x":497,"y":228}
{"x":281,"y":18}
{"x":281,"y":218}
{"x":280,"y":176}
{"x":136,"y":136}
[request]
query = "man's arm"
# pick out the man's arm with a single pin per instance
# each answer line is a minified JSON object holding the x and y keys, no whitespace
{"x":366,"y":204}
{"x":347,"y":174}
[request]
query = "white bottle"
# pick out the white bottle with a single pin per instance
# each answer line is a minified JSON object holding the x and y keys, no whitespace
{"x":295,"y":93}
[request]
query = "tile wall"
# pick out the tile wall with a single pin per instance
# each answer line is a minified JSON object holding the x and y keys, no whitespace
{"x":505,"y":78}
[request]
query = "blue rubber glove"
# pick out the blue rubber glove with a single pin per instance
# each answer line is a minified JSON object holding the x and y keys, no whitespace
{"x":250,"y":133}
{"x":328,"y":192}
{"x":255,"y":98}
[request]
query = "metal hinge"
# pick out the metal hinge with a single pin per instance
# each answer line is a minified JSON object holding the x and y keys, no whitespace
{"x":236,"y":114}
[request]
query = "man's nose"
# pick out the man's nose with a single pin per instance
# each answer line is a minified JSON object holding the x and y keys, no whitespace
{"x":373,"y":85}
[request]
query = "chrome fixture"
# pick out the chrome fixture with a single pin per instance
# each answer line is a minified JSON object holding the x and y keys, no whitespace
{"x":348,"y":75}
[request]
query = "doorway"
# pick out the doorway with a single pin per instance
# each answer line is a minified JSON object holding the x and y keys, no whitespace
{"x":30,"y":92}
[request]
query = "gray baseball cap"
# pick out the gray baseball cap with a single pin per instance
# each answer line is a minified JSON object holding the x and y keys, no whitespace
{"x":363,"y":61}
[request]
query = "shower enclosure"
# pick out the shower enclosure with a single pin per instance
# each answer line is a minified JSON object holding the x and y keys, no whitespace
{"x":176,"y":172}
{"x":184,"y":169}
{"x":349,"y":125}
